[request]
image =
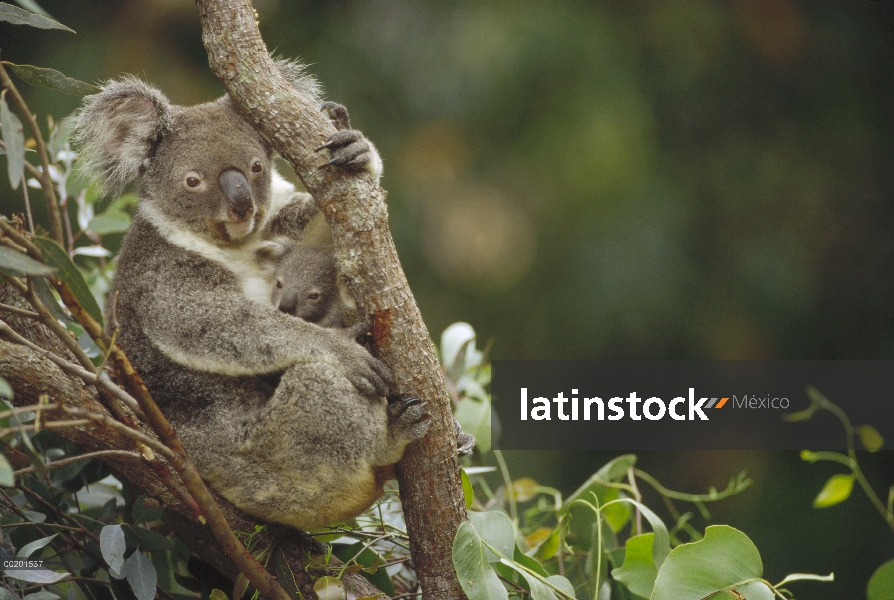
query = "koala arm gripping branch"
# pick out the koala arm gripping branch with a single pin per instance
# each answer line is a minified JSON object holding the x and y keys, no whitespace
{"x":206,"y":324}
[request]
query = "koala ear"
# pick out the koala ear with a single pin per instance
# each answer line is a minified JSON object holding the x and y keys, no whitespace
{"x":117,"y":130}
{"x":304,"y":83}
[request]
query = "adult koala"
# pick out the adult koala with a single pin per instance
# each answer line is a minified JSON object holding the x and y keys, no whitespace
{"x":283,"y":417}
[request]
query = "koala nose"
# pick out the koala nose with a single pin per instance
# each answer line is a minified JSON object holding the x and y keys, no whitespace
{"x":237,"y":191}
{"x":289,"y":302}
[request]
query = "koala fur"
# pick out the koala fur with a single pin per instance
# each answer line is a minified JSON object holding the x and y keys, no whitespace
{"x":285,"y":418}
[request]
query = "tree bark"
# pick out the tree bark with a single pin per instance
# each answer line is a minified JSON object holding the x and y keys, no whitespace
{"x":354,"y":207}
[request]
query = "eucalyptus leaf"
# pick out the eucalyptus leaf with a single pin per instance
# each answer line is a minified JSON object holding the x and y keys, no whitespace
{"x":881,"y":584}
{"x":28,"y":549}
{"x":724,"y":559}
{"x":329,"y":588}
{"x":34,"y":517}
{"x":638,"y":572}
{"x":52,"y":79}
{"x":474,"y":418}
{"x":41,"y":576}
{"x":538,"y":589}
{"x":495,"y":528}
{"x":110,"y":221}
{"x":45,"y":294}
{"x":33,"y":7}
{"x":22,"y":264}
{"x":112,"y":546}
{"x":141,"y":576}
{"x":54,"y":255}
{"x":5,"y":389}
{"x":468,"y":492}
{"x":13,"y":138}
{"x":217,"y":594}
{"x":6,"y":477}
{"x":17,"y":16}
{"x":476,"y":576}
{"x":41,"y":595}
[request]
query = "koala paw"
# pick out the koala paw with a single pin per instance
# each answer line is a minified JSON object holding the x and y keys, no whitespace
{"x":465,"y":442}
{"x":408,"y":417}
{"x":347,"y":147}
{"x":368,"y":374}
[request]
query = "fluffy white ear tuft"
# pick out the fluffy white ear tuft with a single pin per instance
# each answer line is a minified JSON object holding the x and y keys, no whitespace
{"x":117,"y":129}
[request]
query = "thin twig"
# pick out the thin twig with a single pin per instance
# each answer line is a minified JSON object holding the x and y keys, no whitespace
{"x":88,"y":377}
{"x":27,"y":205}
{"x":67,"y":461}
{"x":19,"y":311}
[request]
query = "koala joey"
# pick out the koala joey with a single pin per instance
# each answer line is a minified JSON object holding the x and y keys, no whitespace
{"x":285,"y":418}
{"x":306,"y":284}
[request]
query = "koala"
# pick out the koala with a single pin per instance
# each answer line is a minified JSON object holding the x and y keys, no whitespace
{"x":285,"y":418}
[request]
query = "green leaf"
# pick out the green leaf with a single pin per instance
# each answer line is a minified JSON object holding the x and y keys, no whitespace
{"x":112,"y":546}
{"x":22,"y":264}
{"x":474,"y":417}
{"x":54,"y":80}
{"x":217,"y":594}
{"x":28,"y":549}
{"x":723,"y":560}
{"x":13,"y":139}
{"x":152,"y":540}
{"x":33,"y":7}
{"x":562,"y":583}
{"x":538,"y":589}
{"x":141,"y":576}
{"x":526,"y":561}
{"x":111,"y":221}
{"x":55,"y":256}
{"x":329,"y":588}
{"x":45,"y":294}
{"x":284,"y":575}
{"x":41,"y":576}
{"x":34,"y":517}
{"x":5,"y":389}
{"x":495,"y":528}
{"x":6,"y":477}
{"x":548,"y":547}
{"x":41,"y":595}
{"x":871,"y":438}
{"x":638,"y":572}
{"x":837,"y":489}
{"x":17,"y":16}
{"x":881,"y":584}
{"x":468,"y":492}
{"x":477,"y":578}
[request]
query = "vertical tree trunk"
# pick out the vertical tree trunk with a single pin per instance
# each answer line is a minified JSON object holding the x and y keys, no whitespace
{"x":355,"y":210}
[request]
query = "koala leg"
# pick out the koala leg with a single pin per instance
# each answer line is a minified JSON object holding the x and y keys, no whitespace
{"x":316,"y":450}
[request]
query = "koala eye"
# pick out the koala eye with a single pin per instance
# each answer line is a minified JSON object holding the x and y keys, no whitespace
{"x":313,"y":296}
{"x":257,"y":167}
{"x":193,"y":180}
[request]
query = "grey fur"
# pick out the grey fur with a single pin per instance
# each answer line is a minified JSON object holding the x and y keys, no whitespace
{"x":283,"y":417}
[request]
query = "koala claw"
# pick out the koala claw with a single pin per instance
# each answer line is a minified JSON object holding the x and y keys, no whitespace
{"x":338,"y":114}
{"x":410,"y":416}
{"x":347,"y":148}
{"x":465,"y":442}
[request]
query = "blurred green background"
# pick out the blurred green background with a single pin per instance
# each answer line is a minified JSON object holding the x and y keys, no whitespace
{"x":665,"y":180}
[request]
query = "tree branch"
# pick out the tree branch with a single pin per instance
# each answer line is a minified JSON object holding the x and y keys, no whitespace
{"x":355,"y":210}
